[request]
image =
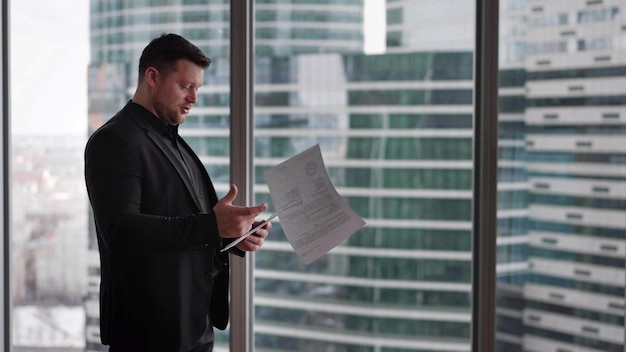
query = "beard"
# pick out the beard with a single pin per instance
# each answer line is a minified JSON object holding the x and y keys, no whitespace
{"x":170,"y":116}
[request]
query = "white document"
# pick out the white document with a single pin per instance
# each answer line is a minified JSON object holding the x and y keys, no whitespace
{"x":313,"y":216}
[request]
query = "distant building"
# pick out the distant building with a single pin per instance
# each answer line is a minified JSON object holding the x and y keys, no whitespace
{"x":575,"y":145}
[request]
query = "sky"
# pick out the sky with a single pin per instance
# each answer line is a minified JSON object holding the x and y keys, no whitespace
{"x":374,"y":23}
{"x":49,"y":48}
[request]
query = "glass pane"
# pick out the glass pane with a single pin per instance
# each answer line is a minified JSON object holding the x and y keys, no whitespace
{"x":49,"y":52}
{"x":562,"y":176}
{"x":74,"y":66}
{"x":391,"y":107}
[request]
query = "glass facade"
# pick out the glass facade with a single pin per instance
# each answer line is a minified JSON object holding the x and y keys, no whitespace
{"x":396,"y":130}
{"x":562,"y":132}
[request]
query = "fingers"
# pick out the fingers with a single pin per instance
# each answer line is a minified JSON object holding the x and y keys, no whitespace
{"x":247,"y":246}
{"x":232,"y":220}
{"x":262,"y":232}
{"x":254,"y":242}
{"x":266,"y":226}
{"x":231,"y":195}
{"x":258,"y":209}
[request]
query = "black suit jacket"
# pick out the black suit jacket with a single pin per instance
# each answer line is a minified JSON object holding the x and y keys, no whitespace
{"x":161,"y":269}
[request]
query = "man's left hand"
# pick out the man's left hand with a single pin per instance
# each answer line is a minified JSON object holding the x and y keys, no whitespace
{"x":254,"y":242}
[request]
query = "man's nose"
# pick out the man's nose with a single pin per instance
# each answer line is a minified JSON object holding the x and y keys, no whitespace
{"x":192,"y":97}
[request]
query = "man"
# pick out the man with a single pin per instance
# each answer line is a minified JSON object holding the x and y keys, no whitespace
{"x":159,"y":222}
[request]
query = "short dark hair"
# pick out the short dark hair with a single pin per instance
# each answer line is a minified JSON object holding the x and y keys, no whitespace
{"x":164,"y":51}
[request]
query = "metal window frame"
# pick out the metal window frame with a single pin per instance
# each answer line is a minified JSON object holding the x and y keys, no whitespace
{"x":241,"y":165}
{"x":485,"y":195}
{"x":5,"y":246}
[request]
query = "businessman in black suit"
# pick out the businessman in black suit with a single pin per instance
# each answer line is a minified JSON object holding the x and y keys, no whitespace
{"x":160,"y":225}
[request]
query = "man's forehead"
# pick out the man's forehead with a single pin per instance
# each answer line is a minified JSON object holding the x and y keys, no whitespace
{"x":188,"y":69}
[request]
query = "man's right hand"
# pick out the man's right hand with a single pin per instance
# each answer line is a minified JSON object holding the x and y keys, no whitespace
{"x":233,"y":220}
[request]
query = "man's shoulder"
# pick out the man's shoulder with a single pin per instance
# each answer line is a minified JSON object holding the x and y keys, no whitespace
{"x":121,"y":128}
{"x":122,"y":122}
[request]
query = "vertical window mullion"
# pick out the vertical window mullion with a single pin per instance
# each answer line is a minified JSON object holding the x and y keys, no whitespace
{"x":241,"y":169}
{"x":485,"y":175}
{"x":5,"y":323}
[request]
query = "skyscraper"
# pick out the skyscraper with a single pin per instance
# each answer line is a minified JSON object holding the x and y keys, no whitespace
{"x":576,"y":147}
{"x":396,"y":134}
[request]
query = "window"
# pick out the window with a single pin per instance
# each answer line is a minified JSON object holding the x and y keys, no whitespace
{"x":561,"y":219}
{"x":397,"y":129}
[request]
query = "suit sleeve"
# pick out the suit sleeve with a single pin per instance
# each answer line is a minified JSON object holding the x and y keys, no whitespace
{"x":113,"y":176}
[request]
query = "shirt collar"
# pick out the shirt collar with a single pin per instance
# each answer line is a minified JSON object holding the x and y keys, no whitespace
{"x":163,"y":129}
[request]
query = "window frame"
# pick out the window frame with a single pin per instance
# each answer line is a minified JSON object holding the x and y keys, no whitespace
{"x":5,"y":244}
{"x":484,"y":222}
{"x":241,"y":334}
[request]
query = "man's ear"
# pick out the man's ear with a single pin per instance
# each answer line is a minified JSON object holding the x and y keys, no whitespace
{"x":152,"y":76}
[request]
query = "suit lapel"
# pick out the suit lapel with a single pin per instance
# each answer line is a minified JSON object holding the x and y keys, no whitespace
{"x":206,"y":180}
{"x":173,"y":159}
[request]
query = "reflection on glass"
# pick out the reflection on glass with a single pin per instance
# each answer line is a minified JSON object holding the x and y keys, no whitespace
{"x":395,"y":129}
{"x":562,"y":176}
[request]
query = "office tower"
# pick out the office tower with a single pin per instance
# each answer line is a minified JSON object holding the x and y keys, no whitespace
{"x":575,"y":144}
{"x":561,"y":104}
{"x":396,"y":133}
{"x":402,"y":160}
{"x":430,"y":25}
{"x":512,"y":237}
